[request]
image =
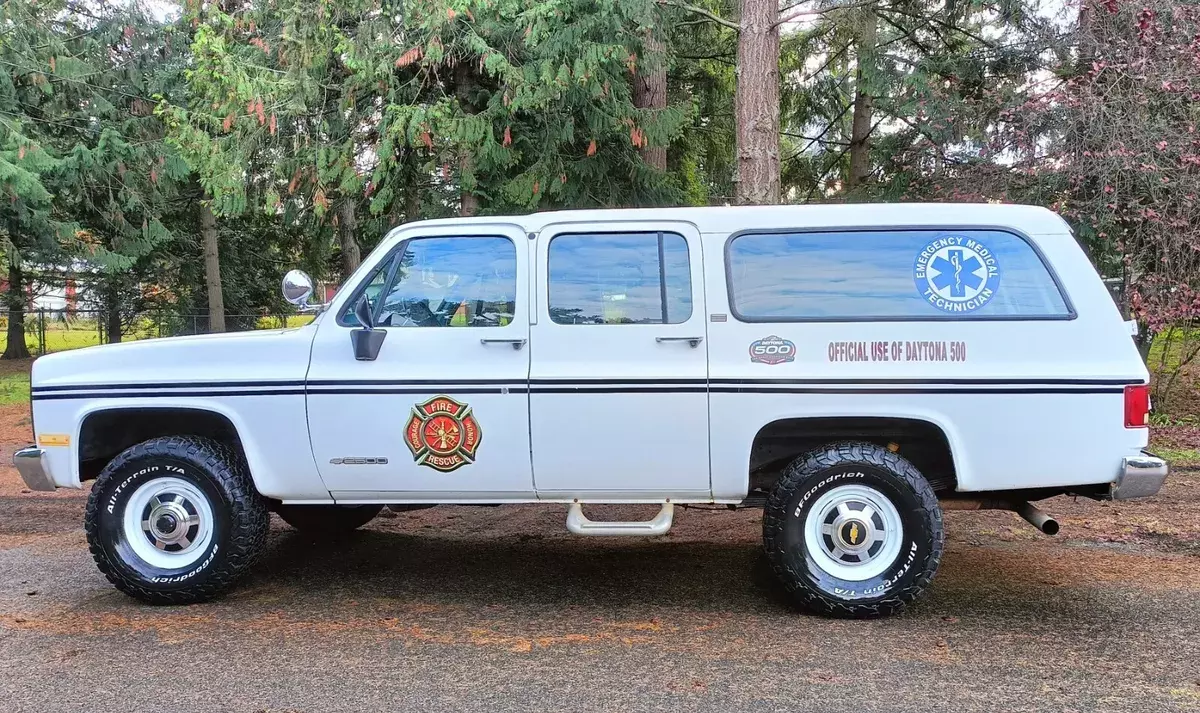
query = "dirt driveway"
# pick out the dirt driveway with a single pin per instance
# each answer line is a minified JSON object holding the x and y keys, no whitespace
{"x":490,"y":609}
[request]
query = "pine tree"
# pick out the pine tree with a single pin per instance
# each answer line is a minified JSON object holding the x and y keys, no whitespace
{"x":351,"y":107}
{"x":81,"y":100}
{"x":31,"y":119}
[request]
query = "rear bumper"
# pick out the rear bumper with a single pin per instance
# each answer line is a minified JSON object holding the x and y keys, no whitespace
{"x":31,"y":464}
{"x":1140,"y":476}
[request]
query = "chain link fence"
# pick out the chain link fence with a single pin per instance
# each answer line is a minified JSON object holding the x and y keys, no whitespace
{"x":48,"y":330}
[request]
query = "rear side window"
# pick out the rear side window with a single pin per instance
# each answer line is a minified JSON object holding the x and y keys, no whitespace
{"x":917,"y":274}
{"x":620,"y":278}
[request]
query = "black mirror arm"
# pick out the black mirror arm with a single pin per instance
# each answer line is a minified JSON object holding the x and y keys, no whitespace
{"x":362,"y":310}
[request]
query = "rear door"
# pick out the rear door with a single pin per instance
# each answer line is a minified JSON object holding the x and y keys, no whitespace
{"x":619,"y":368}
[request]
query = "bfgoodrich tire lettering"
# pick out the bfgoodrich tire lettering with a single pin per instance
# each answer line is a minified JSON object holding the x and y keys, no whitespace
{"x":905,"y":508}
{"x":231,"y":518}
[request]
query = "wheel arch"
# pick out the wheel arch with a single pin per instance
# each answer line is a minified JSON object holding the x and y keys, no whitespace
{"x":105,"y":430}
{"x":931,"y":445}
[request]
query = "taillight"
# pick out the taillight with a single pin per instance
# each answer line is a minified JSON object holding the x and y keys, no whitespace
{"x":1137,"y":406}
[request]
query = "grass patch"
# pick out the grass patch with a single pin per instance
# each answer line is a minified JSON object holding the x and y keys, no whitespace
{"x":59,"y":337}
{"x":14,"y":388}
{"x":1179,"y":457}
{"x":79,"y":333}
{"x":295,"y":320}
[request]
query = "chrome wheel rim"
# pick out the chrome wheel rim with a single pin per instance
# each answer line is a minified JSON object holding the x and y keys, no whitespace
{"x":168,"y":523}
{"x":853,"y":532}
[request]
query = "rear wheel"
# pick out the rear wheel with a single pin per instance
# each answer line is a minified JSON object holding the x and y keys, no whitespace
{"x":853,"y":530}
{"x":175,"y":520}
{"x":328,"y":519}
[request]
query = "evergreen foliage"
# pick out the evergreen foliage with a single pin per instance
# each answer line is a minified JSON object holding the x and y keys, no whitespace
{"x":310,"y":127}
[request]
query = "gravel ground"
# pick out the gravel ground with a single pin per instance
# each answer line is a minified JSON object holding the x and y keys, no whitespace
{"x":464,"y":609}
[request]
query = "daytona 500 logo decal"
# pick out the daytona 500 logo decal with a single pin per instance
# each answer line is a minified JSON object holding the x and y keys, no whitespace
{"x":442,"y":434}
{"x":956,"y":274}
{"x":772,"y":350}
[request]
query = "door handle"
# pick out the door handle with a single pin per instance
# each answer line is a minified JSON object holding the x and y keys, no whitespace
{"x":693,"y":341}
{"x":516,"y":343}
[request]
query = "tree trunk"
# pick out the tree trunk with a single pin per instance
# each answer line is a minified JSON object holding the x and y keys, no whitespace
{"x":860,"y":128}
{"x":212,"y":270}
{"x":407,"y":208}
{"x":464,"y":85}
{"x":15,"y":301}
{"x":756,"y":104}
{"x":348,"y":237}
{"x":412,"y":199}
{"x":469,"y":202}
{"x":112,"y":311}
{"x":650,"y":92}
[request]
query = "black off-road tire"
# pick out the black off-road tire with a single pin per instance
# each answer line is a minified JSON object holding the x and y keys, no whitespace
{"x":239,"y":527}
{"x":791,"y":502}
{"x":327,"y":519}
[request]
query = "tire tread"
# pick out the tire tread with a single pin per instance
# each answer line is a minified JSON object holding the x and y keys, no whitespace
{"x":798,"y":474}
{"x":249,"y":521}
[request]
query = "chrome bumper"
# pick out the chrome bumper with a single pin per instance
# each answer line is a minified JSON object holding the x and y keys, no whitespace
{"x":1140,"y":476}
{"x":31,"y":464}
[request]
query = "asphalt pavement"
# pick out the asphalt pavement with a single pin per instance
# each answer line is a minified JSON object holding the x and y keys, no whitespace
{"x":499,"y":609}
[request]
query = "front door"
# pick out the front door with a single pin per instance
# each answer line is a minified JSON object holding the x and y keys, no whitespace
{"x":618,"y":384}
{"x":443,"y":411}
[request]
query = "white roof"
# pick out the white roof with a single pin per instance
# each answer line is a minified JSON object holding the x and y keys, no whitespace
{"x":730,"y":219}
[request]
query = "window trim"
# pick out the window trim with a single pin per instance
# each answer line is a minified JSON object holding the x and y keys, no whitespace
{"x":661,"y":267}
{"x":733,"y":310}
{"x":390,"y":264}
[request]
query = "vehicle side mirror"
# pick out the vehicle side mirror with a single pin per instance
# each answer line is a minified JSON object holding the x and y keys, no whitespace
{"x":367,"y":340}
{"x":297,"y":288}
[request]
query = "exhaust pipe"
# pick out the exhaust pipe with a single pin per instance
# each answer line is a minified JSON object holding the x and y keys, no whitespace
{"x":1043,"y":522}
{"x":1037,"y":518}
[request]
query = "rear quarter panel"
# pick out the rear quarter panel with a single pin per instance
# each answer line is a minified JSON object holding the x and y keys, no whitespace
{"x":1034,"y":404}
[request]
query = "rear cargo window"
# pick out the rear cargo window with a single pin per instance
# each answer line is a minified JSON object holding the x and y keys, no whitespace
{"x":917,"y":274}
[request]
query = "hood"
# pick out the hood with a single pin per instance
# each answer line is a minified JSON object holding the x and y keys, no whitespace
{"x":264,"y":355}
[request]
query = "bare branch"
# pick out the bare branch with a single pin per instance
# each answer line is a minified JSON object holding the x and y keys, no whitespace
{"x":790,"y":13}
{"x":703,"y":13}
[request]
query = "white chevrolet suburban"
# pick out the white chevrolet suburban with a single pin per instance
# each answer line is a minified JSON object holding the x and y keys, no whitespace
{"x":852,"y":370}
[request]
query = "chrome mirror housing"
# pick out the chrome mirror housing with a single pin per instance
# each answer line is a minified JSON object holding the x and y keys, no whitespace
{"x":297,"y":288}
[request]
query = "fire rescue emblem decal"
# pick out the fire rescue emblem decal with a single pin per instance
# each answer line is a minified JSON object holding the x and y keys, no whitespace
{"x":442,"y":434}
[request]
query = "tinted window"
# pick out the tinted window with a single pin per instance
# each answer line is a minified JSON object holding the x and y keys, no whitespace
{"x":373,"y":289}
{"x":896,"y":274}
{"x":620,"y":278}
{"x":446,"y":282}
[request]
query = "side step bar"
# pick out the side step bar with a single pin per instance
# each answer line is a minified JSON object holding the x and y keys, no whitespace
{"x":578,"y":523}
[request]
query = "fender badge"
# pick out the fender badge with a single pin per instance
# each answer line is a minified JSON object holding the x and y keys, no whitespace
{"x":772,"y":350}
{"x":442,"y":434}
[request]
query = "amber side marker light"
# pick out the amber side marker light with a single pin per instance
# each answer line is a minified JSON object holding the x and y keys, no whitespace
{"x":1137,"y":406}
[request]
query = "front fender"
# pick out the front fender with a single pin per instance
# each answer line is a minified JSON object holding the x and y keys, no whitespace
{"x":265,"y":425}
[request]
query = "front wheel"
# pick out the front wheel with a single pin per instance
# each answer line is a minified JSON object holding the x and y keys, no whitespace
{"x":175,"y":520}
{"x":853,"y":530}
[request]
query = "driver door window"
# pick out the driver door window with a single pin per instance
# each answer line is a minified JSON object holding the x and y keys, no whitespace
{"x":445,"y":282}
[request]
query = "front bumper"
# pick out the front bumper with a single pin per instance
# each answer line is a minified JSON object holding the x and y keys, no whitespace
{"x":1140,"y":476}
{"x":31,"y":464}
